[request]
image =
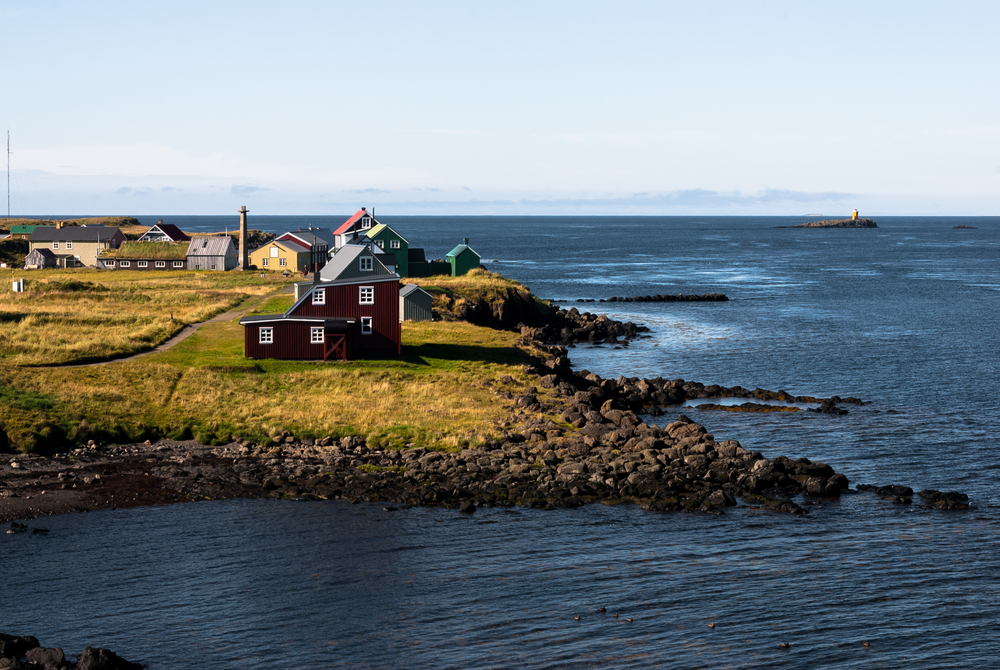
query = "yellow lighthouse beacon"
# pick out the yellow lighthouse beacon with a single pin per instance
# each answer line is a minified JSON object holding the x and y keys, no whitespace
{"x":854,"y":214}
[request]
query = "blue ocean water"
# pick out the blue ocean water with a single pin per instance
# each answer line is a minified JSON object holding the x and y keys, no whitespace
{"x":903,"y":316}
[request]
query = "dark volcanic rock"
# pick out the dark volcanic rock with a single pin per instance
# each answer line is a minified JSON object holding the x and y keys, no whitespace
{"x":103,"y":659}
{"x":945,"y":500}
{"x":680,"y":297}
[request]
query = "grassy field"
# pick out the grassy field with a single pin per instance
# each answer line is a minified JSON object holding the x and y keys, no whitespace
{"x":83,"y":315}
{"x":126,"y":223}
{"x":203,"y":388}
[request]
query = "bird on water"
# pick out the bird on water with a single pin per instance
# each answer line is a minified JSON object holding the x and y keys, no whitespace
{"x":577,"y":617}
{"x":785,"y":645}
{"x":615,"y":615}
{"x":629,"y":619}
{"x":602,"y":609}
{"x":866,"y":643}
{"x":711,"y":625}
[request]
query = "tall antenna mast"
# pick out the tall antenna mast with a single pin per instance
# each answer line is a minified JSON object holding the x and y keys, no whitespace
{"x":8,"y":173}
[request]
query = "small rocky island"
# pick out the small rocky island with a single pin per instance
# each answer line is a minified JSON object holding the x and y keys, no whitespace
{"x":836,"y":223}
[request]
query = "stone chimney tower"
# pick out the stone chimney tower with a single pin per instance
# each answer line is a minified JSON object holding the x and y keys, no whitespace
{"x":244,"y":258}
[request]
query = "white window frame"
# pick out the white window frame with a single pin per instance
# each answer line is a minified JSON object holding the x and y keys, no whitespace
{"x":69,"y":244}
{"x":366,"y":223}
{"x":55,"y":245}
{"x":274,"y":252}
{"x":366,"y":325}
{"x":142,"y":264}
{"x":266,"y":335}
{"x":319,"y":296}
{"x":316,"y":335}
{"x":393,"y":244}
{"x":110,"y":264}
{"x":366,"y":295}
{"x":283,"y":262}
{"x":380,"y":243}
{"x":366,"y":264}
{"x":160,"y":264}
{"x":178,"y":264}
{"x":124,"y":264}
{"x":263,"y":263}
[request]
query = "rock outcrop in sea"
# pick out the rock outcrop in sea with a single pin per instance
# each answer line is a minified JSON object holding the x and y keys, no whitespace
{"x":23,"y":652}
{"x":836,"y":223}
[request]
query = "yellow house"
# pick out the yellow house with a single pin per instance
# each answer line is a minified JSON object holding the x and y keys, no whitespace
{"x":281,"y":255}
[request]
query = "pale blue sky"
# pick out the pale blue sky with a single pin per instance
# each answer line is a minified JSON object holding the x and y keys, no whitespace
{"x":506,"y":107}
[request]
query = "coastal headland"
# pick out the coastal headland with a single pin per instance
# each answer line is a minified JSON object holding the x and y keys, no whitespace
{"x":485,"y":408}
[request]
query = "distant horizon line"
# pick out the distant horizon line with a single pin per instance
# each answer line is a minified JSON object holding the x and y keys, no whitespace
{"x":64,"y":217}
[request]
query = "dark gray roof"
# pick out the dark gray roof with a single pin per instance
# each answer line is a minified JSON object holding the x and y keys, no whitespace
{"x":407,"y":289}
{"x":47,"y":253}
{"x":72,"y":234}
{"x":310,"y":236}
{"x":341,"y":261}
{"x":416,"y":255}
{"x":215,"y":245}
{"x":269,"y":318}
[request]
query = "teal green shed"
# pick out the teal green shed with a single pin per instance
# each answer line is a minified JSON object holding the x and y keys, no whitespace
{"x":394,"y":243}
{"x":462,"y":259}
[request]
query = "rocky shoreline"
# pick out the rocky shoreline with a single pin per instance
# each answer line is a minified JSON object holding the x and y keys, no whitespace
{"x":601,"y":451}
{"x":23,"y":652}
{"x":598,"y":450}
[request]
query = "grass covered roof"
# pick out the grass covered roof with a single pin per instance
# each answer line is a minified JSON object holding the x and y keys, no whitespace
{"x":153,"y":250}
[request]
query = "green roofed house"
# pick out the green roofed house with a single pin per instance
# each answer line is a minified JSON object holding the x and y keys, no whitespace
{"x":391,"y":242}
{"x":462,"y":259}
{"x":24,"y":232}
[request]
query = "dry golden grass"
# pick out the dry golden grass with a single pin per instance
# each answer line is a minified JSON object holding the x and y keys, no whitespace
{"x":128,"y":224}
{"x":73,"y":316}
{"x":203,"y":388}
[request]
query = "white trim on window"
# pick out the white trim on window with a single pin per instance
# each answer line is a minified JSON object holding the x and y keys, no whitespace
{"x":110,"y":264}
{"x":380,"y":243}
{"x":142,"y":264}
{"x":366,"y":325}
{"x":274,"y":252}
{"x":393,"y":244}
{"x":366,"y":295}
{"x":69,"y":244}
{"x":55,"y":245}
{"x":266,"y":335}
{"x":365,"y":264}
{"x":160,"y":264}
{"x":319,"y":296}
{"x":178,"y":264}
{"x":124,"y":264}
{"x":263,"y":263}
{"x":316,"y":335}
{"x":282,"y":262}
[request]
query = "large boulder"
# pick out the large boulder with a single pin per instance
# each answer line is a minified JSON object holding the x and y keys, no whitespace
{"x":103,"y":659}
{"x":12,"y":646}
{"x":46,"y":656}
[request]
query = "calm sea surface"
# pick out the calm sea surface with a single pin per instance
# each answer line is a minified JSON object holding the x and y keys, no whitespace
{"x":904,"y":316}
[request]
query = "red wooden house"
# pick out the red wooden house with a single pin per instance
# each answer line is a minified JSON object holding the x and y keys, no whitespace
{"x":350,"y":310}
